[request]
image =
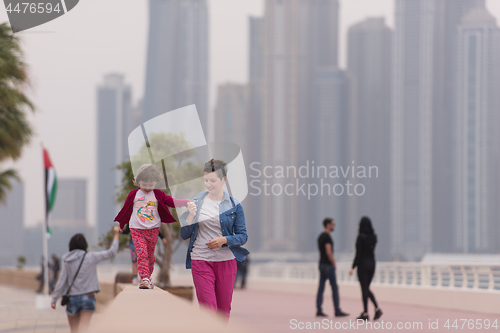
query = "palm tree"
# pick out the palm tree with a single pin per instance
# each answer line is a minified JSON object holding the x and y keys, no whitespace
{"x":15,"y":131}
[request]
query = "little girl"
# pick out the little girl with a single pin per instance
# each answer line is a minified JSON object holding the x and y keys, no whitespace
{"x":144,"y":210}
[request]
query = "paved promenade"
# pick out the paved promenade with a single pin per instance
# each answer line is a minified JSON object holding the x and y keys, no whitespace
{"x":264,"y":311}
{"x":257,"y":311}
{"x":19,"y":314}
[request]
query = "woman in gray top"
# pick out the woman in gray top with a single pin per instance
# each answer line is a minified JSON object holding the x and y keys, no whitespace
{"x":81,"y":303}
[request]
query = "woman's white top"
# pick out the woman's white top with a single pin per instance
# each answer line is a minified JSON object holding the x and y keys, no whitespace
{"x":209,"y":228}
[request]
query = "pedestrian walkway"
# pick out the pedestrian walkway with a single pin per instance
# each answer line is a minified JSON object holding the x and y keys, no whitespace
{"x":260,"y":311}
{"x":276,"y":312}
{"x":19,"y":314}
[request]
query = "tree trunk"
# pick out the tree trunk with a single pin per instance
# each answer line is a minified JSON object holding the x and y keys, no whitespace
{"x":166,"y":255}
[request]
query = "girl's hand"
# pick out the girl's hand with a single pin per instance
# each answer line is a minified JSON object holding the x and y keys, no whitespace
{"x":351,"y":271}
{"x":53,"y":305}
{"x":192,"y":208}
{"x":164,"y":240}
{"x":216,"y":242}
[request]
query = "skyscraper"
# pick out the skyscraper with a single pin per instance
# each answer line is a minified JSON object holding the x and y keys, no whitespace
{"x":177,"y":59}
{"x":477,"y":139}
{"x":328,"y":146}
{"x":254,"y":114}
{"x":422,"y":124}
{"x":411,"y":165}
{"x":113,"y":108}
{"x":230,"y":123}
{"x":444,"y":118}
{"x":300,"y":38}
{"x":70,"y":209}
{"x":369,"y":66}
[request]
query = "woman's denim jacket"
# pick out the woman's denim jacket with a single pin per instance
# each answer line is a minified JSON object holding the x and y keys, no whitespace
{"x":232,"y":224}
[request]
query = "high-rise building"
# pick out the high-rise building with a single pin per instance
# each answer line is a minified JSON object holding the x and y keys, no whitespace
{"x":444,"y":118}
{"x":300,"y":38}
{"x":478,"y":107}
{"x":329,"y":137}
{"x":413,"y":96}
{"x":12,"y":222}
{"x":422,"y":125}
{"x":177,"y":59}
{"x":369,"y":66}
{"x":113,"y":108}
{"x":70,"y":208}
{"x":230,"y":114}
{"x":254,"y":119}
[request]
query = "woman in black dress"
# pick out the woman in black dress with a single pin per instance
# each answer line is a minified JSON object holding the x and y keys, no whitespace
{"x":365,"y":261}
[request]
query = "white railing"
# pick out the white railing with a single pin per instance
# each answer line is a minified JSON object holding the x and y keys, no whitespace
{"x":458,"y":276}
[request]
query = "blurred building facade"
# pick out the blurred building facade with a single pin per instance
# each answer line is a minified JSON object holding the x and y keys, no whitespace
{"x":369,"y":55}
{"x":300,"y":38}
{"x":328,"y":138}
{"x":114,"y":118}
{"x":422,"y":117}
{"x":478,"y":106}
{"x":70,"y":208}
{"x":254,"y":120}
{"x":230,"y":122}
{"x":177,"y":58}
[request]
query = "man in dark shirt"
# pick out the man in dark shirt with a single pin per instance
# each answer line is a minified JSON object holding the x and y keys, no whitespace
{"x":327,"y":269}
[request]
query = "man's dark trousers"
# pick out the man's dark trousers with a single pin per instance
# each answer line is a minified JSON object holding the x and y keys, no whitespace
{"x":327,"y":272}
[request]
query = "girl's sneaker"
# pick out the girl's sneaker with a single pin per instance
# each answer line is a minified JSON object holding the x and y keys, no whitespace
{"x":135,"y":281}
{"x":145,"y":284}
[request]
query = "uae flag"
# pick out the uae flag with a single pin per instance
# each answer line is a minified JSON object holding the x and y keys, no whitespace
{"x":50,"y":188}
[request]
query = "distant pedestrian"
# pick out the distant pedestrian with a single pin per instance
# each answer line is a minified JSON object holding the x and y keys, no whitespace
{"x":327,"y":267}
{"x":54,"y":268}
{"x":365,"y":261}
{"x":241,"y":272}
{"x":79,"y":280}
{"x":41,"y":277}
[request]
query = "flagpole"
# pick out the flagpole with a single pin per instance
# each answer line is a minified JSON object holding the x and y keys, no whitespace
{"x":45,"y":258}
{"x":45,"y":225}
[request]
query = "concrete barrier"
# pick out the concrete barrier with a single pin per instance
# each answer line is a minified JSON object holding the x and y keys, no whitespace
{"x":26,"y":279}
{"x":139,"y":310}
{"x":19,"y":278}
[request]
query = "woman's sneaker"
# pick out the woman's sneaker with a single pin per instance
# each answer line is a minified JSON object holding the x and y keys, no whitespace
{"x":135,"y":281}
{"x":145,"y":284}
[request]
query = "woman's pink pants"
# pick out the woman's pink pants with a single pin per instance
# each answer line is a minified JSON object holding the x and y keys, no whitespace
{"x":214,"y":282}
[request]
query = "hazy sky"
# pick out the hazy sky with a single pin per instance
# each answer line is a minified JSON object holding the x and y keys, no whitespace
{"x":69,"y":56}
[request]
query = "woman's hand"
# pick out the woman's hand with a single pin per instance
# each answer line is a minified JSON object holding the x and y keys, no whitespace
{"x":164,"y":240}
{"x":53,"y":305}
{"x":216,"y":242}
{"x":351,"y":271}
